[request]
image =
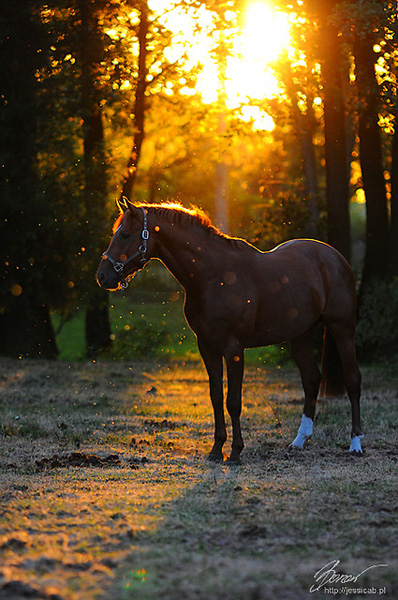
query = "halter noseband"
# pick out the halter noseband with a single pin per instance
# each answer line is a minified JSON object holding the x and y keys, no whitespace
{"x":119,"y":266}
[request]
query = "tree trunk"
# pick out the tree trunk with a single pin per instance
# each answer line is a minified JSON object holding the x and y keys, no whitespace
{"x":371,"y":160}
{"x":337,"y":175}
{"x":311,"y":179}
{"x":26,"y":330}
{"x":25,"y":325}
{"x":394,"y":201}
{"x":304,"y":126}
{"x":221,"y":197}
{"x":98,"y":330}
{"x":139,"y":106}
{"x":221,"y":175}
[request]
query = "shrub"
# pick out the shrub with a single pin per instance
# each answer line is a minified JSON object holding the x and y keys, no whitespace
{"x":142,"y":339}
{"x":377,"y":331}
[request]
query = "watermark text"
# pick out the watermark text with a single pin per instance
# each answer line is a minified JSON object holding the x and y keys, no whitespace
{"x":328,"y":577}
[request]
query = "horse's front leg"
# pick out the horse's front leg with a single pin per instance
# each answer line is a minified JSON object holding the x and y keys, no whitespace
{"x":213,"y":361}
{"x":235,"y":366}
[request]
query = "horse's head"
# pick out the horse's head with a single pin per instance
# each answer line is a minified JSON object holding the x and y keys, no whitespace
{"x":127,"y":252}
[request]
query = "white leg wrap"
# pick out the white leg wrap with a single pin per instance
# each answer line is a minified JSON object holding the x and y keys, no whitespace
{"x":304,"y":433}
{"x":356,"y":444}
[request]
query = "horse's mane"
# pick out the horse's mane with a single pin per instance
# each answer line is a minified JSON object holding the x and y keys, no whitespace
{"x":184,"y":217}
{"x":174,"y":212}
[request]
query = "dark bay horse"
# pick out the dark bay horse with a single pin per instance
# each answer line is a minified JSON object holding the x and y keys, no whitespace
{"x":238,"y":297}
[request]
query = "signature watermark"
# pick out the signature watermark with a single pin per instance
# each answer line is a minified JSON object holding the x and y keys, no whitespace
{"x":331,"y":581}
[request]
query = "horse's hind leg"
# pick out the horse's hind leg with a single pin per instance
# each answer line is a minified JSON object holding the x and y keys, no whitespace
{"x":343,"y":335}
{"x":235,"y":367}
{"x":303,"y":354}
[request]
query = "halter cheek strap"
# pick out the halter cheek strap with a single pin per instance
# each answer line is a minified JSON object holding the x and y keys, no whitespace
{"x":119,"y":266}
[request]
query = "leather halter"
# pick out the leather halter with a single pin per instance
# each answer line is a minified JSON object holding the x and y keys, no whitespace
{"x":119,"y":266}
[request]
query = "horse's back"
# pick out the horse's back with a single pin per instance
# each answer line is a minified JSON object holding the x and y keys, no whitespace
{"x":303,"y":247}
{"x":312,"y":256}
{"x":310,"y":273}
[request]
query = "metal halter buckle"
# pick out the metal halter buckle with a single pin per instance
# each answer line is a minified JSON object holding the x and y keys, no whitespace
{"x":118,"y":267}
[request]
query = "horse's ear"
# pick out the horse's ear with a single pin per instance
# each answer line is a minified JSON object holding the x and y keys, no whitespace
{"x":124,"y":204}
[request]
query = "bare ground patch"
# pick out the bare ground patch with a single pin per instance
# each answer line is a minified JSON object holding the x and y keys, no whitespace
{"x":105,"y":490}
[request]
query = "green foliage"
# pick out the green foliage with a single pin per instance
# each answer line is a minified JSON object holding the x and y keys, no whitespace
{"x":70,"y":336}
{"x":282,"y":217}
{"x":277,"y":355}
{"x":377,"y":331}
{"x":55,"y":210}
{"x":143,"y":339}
{"x":149,"y":322}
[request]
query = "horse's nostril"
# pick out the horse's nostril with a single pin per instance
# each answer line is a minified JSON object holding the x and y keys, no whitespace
{"x":101,"y":277}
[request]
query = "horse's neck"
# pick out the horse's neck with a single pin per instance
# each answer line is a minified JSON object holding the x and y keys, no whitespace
{"x":190,"y":255}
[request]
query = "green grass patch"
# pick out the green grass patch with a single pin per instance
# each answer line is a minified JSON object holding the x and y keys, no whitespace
{"x":70,"y":337}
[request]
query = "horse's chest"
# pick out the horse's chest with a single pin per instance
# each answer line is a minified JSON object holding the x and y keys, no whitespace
{"x":221,"y":312}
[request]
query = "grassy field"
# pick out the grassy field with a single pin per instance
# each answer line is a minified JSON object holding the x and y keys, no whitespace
{"x":105,"y":490}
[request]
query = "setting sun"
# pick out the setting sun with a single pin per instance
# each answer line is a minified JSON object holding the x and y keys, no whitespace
{"x":246,"y":74}
{"x":265,"y":33}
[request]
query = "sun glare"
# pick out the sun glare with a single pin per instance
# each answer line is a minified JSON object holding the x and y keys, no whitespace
{"x":247,"y":74}
{"x":266,"y":32}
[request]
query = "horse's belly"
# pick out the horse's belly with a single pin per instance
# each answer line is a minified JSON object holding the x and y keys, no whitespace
{"x":266,"y":337}
{"x":263,"y":338}
{"x":282,"y":326}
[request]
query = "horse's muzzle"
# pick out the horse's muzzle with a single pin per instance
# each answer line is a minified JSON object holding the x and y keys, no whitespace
{"x":106,"y":277}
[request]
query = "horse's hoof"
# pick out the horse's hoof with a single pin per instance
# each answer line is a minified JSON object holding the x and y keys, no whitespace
{"x":293,"y":448}
{"x":234,"y":459}
{"x":356,"y":453}
{"x":215,"y":457}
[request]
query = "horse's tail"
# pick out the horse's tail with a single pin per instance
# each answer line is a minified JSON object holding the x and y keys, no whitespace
{"x":332,"y":383}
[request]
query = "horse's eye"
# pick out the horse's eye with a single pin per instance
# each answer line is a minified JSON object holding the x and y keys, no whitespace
{"x":124,"y":235}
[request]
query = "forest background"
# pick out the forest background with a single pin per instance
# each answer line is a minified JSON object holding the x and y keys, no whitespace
{"x":106,"y":98}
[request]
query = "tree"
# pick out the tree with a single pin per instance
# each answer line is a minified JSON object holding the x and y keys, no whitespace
{"x":371,"y":159}
{"x":337,"y":176}
{"x":321,"y":44}
{"x":140,"y":102}
{"x":394,"y":199}
{"x":387,"y":80}
{"x":298,"y":86}
{"x":366,"y":25}
{"x":91,"y":52}
{"x":26,"y":281}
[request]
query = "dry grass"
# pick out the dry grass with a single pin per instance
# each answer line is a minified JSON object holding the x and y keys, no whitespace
{"x":159,"y":521}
